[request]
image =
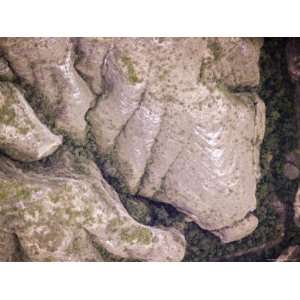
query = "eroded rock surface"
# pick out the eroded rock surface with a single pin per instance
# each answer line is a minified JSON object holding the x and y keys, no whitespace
{"x":175,"y":120}
{"x":91,"y":55}
{"x":171,"y":128}
{"x":59,"y":212}
{"x":47,"y":65}
{"x":22,"y":135}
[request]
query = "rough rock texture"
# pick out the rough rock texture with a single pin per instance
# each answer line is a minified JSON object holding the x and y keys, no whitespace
{"x":22,"y":135}
{"x":171,"y":130}
{"x":238,"y":230}
{"x":47,"y":65}
{"x":91,"y":55}
{"x":175,"y":120}
{"x":58,"y":211}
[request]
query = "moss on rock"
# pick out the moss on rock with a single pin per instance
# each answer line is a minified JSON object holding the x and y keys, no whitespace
{"x":132,"y":75}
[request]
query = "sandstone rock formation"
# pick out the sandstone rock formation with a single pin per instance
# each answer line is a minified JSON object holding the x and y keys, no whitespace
{"x":58,"y":212}
{"x":22,"y":135}
{"x":47,"y":65}
{"x":171,"y":129}
{"x":175,"y":120}
{"x":91,"y":54}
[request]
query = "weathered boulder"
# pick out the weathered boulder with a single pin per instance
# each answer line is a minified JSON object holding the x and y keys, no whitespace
{"x":47,"y":65}
{"x":22,"y":135}
{"x":290,"y":171}
{"x":238,"y":230}
{"x":59,"y":212}
{"x":177,"y":125}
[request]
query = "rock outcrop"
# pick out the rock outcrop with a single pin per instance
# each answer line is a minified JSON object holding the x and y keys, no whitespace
{"x":22,"y":136}
{"x":179,"y":124}
{"x":175,"y":120}
{"x":59,"y":212}
{"x":47,"y":65}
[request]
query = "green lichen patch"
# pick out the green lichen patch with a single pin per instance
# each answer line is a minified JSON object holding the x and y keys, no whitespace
{"x":136,"y":234}
{"x":8,"y":117}
{"x":131,"y":72}
{"x":12,"y":190}
{"x":114,"y":225}
{"x":63,"y":193}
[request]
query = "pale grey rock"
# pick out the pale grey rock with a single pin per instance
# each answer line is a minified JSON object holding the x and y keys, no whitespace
{"x":238,"y":230}
{"x":91,"y":55}
{"x":47,"y":65}
{"x":291,"y":171}
{"x":125,"y":84}
{"x":60,"y":212}
{"x":233,"y":62}
{"x":22,"y":135}
{"x":172,"y":132}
